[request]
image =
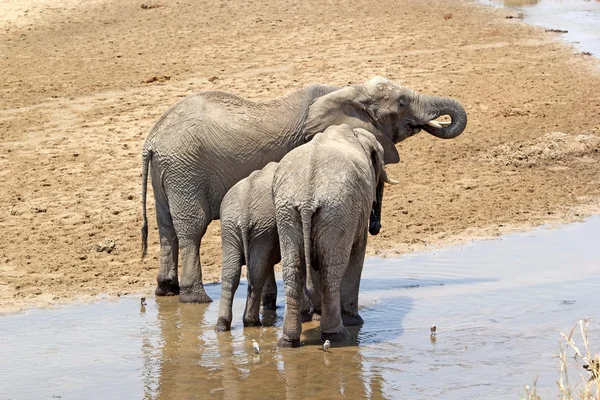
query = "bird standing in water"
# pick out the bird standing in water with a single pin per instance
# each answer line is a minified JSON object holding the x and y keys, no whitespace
{"x":326,"y":346}
{"x":255,"y":346}
{"x":433,"y":329}
{"x":594,"y":368}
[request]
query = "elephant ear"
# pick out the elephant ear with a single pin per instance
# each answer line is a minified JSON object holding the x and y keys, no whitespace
{"x":374,"y":150}
{"x":350,"y":106}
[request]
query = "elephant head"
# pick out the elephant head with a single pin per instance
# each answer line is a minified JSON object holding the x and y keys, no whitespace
{"x":389,"y":111}
{"x":375,"y":152}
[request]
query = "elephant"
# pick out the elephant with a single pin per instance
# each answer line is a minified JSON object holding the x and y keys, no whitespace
{"x":248,"y":236}
{"x":324,"y":192}
{"x":207,"y":142}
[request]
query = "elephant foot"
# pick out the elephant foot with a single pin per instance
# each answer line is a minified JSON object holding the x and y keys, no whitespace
{"x":269,"y":301}
{"x":167,"y":287}
{"x":349,"y":319}
{"x":288,"y":343}
{"x":269,"y":318}
{"x":316,"y":316}
{"x":341,"y":336}
{"x":223,"y":325}
{"x":250,"y":322}
{"x":190,"y":295}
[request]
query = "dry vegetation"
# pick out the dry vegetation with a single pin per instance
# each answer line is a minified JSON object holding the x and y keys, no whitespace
{"x":573,"y":362}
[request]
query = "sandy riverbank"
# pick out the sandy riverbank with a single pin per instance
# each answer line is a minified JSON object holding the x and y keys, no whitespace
{"x":74,"y":114}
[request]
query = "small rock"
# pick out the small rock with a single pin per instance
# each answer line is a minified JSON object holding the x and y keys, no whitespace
{"x":107,"y":245}
{"x":213,"y":78}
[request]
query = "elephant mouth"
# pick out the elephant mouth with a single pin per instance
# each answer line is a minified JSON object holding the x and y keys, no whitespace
{"x":413,"y":128}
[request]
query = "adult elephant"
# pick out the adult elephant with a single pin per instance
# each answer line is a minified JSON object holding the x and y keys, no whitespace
{"x":207,"y":142}
{"x":324,"y":193}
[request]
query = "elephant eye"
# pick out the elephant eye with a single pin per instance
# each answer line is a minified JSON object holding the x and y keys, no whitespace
{"x":401,"y":103}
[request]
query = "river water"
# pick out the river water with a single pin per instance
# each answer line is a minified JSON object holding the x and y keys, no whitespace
{"x":581,"y":18}
{"x":499,"y":307}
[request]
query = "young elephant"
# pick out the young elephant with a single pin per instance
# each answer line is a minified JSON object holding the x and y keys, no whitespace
{"x":249,"y":236}
{"x":324,"y":193}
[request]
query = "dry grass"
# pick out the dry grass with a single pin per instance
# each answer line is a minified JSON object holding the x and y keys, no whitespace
{"x":585,"y":387}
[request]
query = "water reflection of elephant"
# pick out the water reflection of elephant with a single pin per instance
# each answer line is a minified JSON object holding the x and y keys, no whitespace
{"x":189,"y":359}
{"x":182,"y":355}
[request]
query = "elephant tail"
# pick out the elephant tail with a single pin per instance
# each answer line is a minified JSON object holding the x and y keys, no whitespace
{"x":146,"y":157}
{"x":306,"y":216}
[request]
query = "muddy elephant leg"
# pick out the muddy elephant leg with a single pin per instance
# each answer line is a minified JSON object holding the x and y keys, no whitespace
{"x":351,"y":284}
{"x":231,"y":270}
{"x":258,"y":273}
{"x":190,"y":231}
{"x":332,"y":327}
{"x":269,"y":292}
{"x":294,"y":276}
{"x":167,"y":282}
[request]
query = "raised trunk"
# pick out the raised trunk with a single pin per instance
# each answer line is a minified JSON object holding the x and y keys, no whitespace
{"x":434,"y":107}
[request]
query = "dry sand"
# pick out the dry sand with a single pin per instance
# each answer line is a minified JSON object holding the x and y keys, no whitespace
{"x":74,"y":112}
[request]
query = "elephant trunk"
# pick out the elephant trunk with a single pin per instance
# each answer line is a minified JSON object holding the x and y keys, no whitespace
{"x":432,"y":107}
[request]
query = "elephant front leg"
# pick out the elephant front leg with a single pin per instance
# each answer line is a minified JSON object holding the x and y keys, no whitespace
{"x":269,"y":292}
{"x":351,"y":284}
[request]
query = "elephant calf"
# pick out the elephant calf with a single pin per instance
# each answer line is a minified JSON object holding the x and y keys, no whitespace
{"x":324,"y":193}
{"x":249,"y":236}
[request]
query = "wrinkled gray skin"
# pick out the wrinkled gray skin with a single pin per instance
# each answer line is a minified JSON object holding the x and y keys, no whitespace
{"x":248,"y":237}
{"x":208,"y":142}
{"x":324,"y":192}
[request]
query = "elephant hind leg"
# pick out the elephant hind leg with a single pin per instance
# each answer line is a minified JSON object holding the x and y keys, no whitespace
{"x":233,"y":258}
{"x":351,"y":283}
{"x":190,"y":230}
{"x":167,"y":280}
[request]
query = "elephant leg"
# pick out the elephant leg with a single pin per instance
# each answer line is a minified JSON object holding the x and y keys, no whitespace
{"x":351,"y":283}
{"x":167,"y":282}
{"x":269,"y":292}
{"x":294,"y":276}
{"x":315,"y":297}
{"x":230,"y":279}
{"x":332,"y":270}
{"x":259,"y":272}
{"x":190,"y":231}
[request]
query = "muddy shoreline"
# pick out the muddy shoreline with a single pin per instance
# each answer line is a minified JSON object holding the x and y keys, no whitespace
{"x":74,"y":114}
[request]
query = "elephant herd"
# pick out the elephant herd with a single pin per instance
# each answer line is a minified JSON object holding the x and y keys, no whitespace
{"x":298,"y":179}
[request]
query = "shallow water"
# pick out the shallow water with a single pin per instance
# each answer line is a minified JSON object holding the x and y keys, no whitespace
{"x":581,"y":18}
{"x":499,"y":306}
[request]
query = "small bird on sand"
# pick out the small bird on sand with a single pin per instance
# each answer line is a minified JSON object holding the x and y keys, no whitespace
{"x":433,"y":329}
{"x":255,"y":346}
{"x":142,"y":301}
{"x":326,"y":346}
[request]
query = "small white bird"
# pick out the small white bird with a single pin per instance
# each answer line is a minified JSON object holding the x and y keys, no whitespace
{"x":433,"y":329}
{"x":142,"y":301}
{"x":326,"y":346}
{"x":255,"y":346}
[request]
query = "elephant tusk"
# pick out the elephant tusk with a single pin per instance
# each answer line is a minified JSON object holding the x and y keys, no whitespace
{"x":391,"y":181}
{"x":445,"y":123}
{"x":435,"y":124}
